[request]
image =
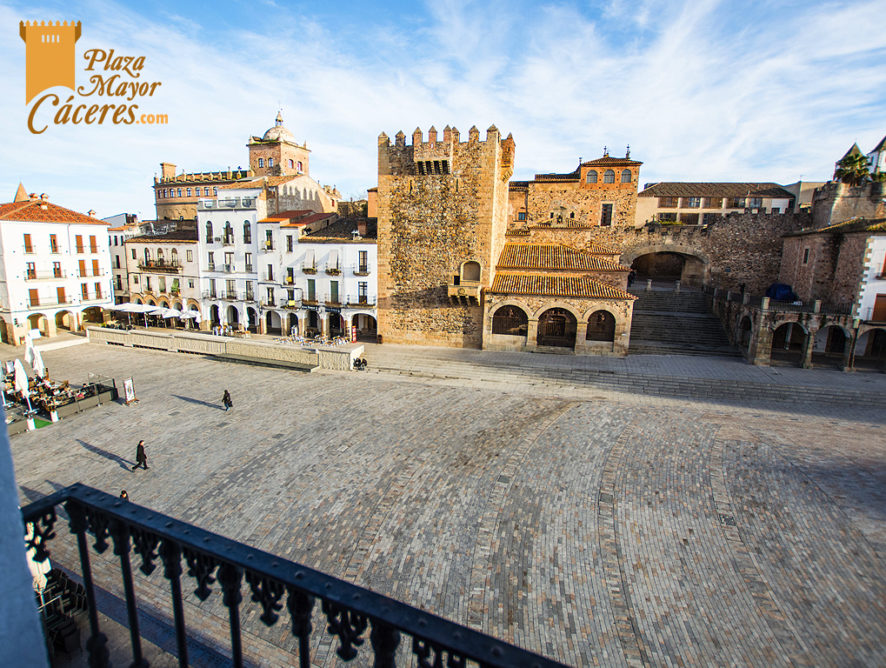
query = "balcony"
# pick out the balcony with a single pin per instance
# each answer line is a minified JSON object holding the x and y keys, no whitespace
{"x":332,"y":300}
{"x":289,"y":280}
{"x":310,"y":300}
{"x":232,"y":296}
{"x":210,"y":294}
{"x":228,"y":241}
{"x":250,"y":297}
{"x":160,"y":267}
{"x":226,"y":204}
{"x":42,"y":303}
{"x":229,"y":268}
{"x":249,"y":269}
{"x":29,"y":250}
{"x":361,"y":270}
{"x":333,"y":270}
{"x":269,"y":303}
{"x":267,"y":246}
{"x":360,"y":301}
{"x":309,"y":268}
{"x":464,"y":292}
{"x":268,"y":278}
{"x":147,"y":539}
{"x":44,"y":275}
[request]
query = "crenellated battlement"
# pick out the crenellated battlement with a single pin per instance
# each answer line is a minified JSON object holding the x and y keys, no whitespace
{"x":441,"y":155}
{"x":49,"y":54}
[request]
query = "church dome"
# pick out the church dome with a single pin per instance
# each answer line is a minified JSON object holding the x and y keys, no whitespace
{"x":278,"y":132}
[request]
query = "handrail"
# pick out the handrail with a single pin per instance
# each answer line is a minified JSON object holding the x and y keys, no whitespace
{"x":350,"y":610}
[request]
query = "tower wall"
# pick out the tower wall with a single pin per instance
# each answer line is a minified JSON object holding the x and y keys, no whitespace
{"x":440,"y":204}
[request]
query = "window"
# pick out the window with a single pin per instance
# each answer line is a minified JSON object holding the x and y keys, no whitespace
{"x":179,"y":192}
{"x":362,"y":291}
{"x":713,"y":202}
{"x":805,"y":256}
{"x":53,"y":243}
{"x":93,"y":244}
{"x":606,"y":215}
{"x":299,"y":167}
{"x":147,"y":256}
{"x":290,"y":164}
{"x":147,"y":282}
{"x":270,"y":272}
{"x":84,"y":291}
{"x":208,"y":231}
{"x":755,"y":202}
{"x":626,"y":176}
{"x":689,"y":218}
{"x":189,"y":192}
{"x":290,"y":297}
{"x":609,"y":176}
{"x":692,"y":202}
{"x":191,"y":283}
{"x":312,"y":289}
{"x":270,"y":293}
{"x":521,"y":215}
{"x":33,"y":297}
{"x":229,"y":261}
{"x":288,"y":243}
{"x":135,"y":279}
{"x":735,"y":203}
{"x":211,"y":262}
{"x":231,"y":287}
{"x":710,"y":218}
{"x":82,"y":267}
{"x":31,"y":269}
{"x":57,"y":268}
{"x":250,"y":293}
{"x":95,"y":269}
{"x":669,"y":217}
{"x":229,"y":233}
{"x":591,"y":177}
{"x":174,"y":256}
{"x":261,"y":162}
{"x":290,"y":275}
{"x":190,"y":255}
{"x":247,"y":232}
{"x":214,"y":191}
{"x":270,"y":162}
{"x":98,"y":290}
{"x":248,"y":261}
{"x":668,"y":202}
{"x":62,"y":297}
{"x":119,"y":282}
{"x":269,"y":239}
{"x":212,"y":292}
{"x":363,"y":261}
{"x":133,"y":254}
{"x":333,"y":292}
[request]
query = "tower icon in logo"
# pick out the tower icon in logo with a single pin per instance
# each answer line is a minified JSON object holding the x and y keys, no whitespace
{"x":49,"y":55}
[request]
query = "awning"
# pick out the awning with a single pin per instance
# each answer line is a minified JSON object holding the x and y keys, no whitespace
{"x":333,"y":259}
{"x":309,"y":258}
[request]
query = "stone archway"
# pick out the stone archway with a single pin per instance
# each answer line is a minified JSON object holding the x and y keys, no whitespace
{"x":65,"y":320}
{"x":92,"y":314}
{"x":40,"y":322}
{"x":251,"y":319}
{"x":830,"y":347}
{"x":293,"y":325}
{"x":557,"y":328}
{"x":664,"y":262}
{"x":233,"y":315}
{"x":870,"y":349}
{"x":788,"y":342}
{"x":367,"y":327}
{"x":601,"y":326}
{"x":273,"y":323}
{"x":214,"y":317}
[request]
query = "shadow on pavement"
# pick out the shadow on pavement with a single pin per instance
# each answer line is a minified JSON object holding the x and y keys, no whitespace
{"x":124,"y":463}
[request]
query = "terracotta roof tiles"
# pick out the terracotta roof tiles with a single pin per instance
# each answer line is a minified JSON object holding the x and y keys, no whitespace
{"x":556,"y":286}
{"x":42,"y":211}
{"x":676,"y":189}
{"x":553,"y":256}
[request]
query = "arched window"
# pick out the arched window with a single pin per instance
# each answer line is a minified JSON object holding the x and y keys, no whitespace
{"x":208,"y":231}
{"x":160,"y":255}
{"x":247,"y":232}
{"x":299,"y":167}
{"x":608,"y":176}
{"x":601,"y":326}
{"x":626,"y":176}
{"x":291,"y":165}
{"x":261,"y":162}
{"x":147,"y":255}
{"x":510,"y":320}
{"x":173,"y":256}
{"x":179,"y":192}
{"x":229,"y":233}
{"x":470,"y":271}
{"x":591,"y":177}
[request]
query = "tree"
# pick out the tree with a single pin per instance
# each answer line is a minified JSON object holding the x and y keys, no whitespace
{"x":853,"y":169}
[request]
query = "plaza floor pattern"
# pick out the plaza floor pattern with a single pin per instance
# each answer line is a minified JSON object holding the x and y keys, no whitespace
{"x":610,"y":530}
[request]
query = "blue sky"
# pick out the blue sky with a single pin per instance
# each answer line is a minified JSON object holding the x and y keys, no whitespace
{"x":701,"y":90}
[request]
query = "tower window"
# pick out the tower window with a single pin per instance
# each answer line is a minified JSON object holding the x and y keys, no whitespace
{"x":299,"y":166}
{"x":591,"y":177}
{"x":626,"y":176}
{"x":606,"y":215}
{"x":291,"y":164}
{"x":270,"y":162}
{"x":609,"y":176}
{"x":261,"y":162}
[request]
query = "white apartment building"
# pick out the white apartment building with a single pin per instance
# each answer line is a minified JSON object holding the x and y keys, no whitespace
{"x":164,"y":270}
{"x":55,"y":268}
{"x":123,"y":226}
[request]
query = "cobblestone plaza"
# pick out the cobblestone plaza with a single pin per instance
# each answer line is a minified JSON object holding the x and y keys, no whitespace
{"x":593,"y":527}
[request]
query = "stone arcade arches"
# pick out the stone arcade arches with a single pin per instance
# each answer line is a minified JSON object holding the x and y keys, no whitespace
{"x":557,"y":327}
{"x":663,"y":262}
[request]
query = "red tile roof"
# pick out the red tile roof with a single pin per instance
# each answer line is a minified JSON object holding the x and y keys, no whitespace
{"x":677,"y":189}
{"x":42,"y":211}
{"x":555,"y":257}
{"x":556,"y":286}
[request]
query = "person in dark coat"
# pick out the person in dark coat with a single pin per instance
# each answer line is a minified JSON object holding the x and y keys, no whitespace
{"x":141,"y":459}
{"x":124,"y":495}
{"x":226,"y":400}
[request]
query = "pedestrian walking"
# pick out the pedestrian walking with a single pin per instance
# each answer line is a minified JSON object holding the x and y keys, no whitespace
{"x":632,"y":276}
{"x":226,"y":400}
{"x":141,"y":459}
{"x":124,"y":495}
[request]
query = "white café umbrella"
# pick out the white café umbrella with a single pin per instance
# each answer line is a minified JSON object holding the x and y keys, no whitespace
{"x":21,"y":382}
{"x":172,"y":313}
{"x":37,"y":364}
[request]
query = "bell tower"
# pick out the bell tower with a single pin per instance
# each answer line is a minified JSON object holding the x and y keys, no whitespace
{"x":277,"y":153}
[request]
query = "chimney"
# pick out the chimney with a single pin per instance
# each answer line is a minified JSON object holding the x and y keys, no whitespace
{"x":44,"y":197}
{"x":361,"y":227}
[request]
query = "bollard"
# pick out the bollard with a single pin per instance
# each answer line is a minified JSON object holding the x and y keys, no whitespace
{"x":676,"y":286}
{"x":764,"y":304}
{"x":648,"y":283}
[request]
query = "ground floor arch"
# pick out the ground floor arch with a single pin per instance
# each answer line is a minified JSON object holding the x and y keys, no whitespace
{"x":870,"y":349}
{"x":557,"y":328}
{"x":273,"y":323}
{"x":336,"y":324}
{"x":5,"y":332}
{"x":232,"y":315}
{"x":39,"y":322}
{"x":65,"y":320}
{"x":601,"y":326}
{"x":251,"y":319}
{"x":830,"y":347}
{"x":788,"y":343}
{"x":92,"y":314}
{"x":510,"y":320}
{"x":214,"y":316}
{"x":292,"y":324}
{"x":367,"y":327}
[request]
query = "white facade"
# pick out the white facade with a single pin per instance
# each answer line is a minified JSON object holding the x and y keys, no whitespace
{"x":117,"y":237}
{"x":53,"y":276}
{"x":164,"y":270}
{"x":229,"y":257}
{"x":873,"y":282}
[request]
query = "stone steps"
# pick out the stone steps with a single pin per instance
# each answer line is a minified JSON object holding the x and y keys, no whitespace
{"x":649,"y":385}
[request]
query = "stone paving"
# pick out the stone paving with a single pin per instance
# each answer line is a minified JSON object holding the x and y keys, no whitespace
{"x":593,"y":527}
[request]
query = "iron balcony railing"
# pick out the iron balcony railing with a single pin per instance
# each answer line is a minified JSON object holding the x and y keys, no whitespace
{"x":360,"y":300}
{"x":227,"y":203}
{"x":160,"y":266}
{"x":361,"y":269}
{"x":44,"y":275}
{"x":351,"y":612}
{"x":333,"y":269}
{"x":309,"y":268}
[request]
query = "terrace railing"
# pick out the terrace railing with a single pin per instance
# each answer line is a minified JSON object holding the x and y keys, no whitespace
{"x":352,"y":613}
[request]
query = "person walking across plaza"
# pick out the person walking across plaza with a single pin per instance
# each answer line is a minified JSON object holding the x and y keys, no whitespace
{"x":141,"y":459}
{"x":226,"y":400}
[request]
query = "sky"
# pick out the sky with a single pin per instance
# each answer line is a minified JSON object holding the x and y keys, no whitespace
{"x":701,"y":90}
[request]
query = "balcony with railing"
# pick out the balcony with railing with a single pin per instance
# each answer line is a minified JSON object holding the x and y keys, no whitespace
{"x":249,"y":268}
{"x":275,"y":588}
{"x":333,"y":269}
{"x":269,"y":302}
{"x":226,"y":204}
{"x":464,"y":291}
{"x":361,"y":270}
{"x":266,"y":246}
{"x":332,"y":300}
{"x":228,"y":240}
{"x":212,"y":294}
{"x":43,"y":303}
{"x":309,"y":268}
{"x":210,"y":266}
{"x":360,"y":301}
{"x":229,"y":268}
{"x":45,"y":275}
{"x":160,"y":266}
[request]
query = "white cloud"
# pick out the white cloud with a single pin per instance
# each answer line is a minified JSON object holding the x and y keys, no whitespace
{"x":698,"y":93}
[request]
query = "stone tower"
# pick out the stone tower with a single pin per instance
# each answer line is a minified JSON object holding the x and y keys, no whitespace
{"x":277,"y":153}
{"x":442,"y":213}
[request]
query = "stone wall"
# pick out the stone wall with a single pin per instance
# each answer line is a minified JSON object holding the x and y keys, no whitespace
{"x":849,"y":270}
{"x":429,"y":225}
{"x":837,"y":202}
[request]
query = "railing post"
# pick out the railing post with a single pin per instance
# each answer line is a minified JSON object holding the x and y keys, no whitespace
{"x":300,"y":606}
{"x":172,"y":569}
{"x":384,"y":639}
{"x":120,"y":533}
{"x":96,"y":645}
{"x":229,"y":577}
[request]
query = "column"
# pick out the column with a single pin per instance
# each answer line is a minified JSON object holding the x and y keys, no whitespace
{"x":532,"y":334}
{"x":324,"y":325}
{"x":808,"y":345}
{"x":760,"y":351}
{"x":581,"y":336}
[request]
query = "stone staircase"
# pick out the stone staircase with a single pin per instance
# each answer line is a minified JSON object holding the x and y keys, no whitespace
{"x":677,"y":323}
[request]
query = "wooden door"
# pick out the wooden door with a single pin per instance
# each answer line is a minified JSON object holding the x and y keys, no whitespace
{"x":879,"y":309}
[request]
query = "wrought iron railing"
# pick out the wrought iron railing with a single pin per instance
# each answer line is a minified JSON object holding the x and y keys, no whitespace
{"x":350,"y":611}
